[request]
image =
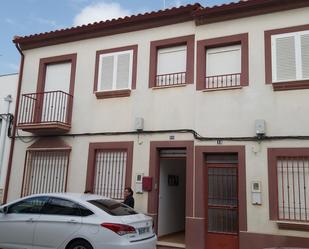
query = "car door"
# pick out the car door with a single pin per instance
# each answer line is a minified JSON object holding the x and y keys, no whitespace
{"x":17,"y":225}
{"x":59,"y":221}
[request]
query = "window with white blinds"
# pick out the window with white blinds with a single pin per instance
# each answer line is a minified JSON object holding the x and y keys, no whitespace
{"x":171,"y":67}
{"x":115,"y":71}
{"x":223,"y":66}
{"x":290,"y":56}
{"x":45,"y":172}
{"x":110,"y":173}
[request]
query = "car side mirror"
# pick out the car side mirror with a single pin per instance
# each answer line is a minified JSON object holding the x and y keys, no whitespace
{"x":4,"y":210}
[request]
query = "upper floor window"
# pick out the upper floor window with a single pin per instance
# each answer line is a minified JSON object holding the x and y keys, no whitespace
{"x":287,"y":58}
{"x":171,"y":62}
{"x":115,"y":74}
{"x":222,"y":62}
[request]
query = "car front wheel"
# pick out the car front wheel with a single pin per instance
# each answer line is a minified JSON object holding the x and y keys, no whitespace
{"x":79,"y":244}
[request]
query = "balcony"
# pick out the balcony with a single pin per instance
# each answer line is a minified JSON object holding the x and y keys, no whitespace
{"x":46,"y":112}
{"x":223,"y":81}
{"x":173,"y":79}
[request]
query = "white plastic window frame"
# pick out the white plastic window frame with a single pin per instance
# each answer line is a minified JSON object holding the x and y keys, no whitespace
{"x":298,"y":58}
{"x":115,"y":55}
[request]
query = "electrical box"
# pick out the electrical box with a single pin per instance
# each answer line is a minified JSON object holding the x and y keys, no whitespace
{"x":260,"y":127}
{"x":256,"y":193}
{"x":139,"y":183}
{"x":147,"y":183}
{"x":139,"y":124}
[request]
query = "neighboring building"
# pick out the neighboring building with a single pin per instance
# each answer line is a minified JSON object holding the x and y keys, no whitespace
{"x":8,"y":89}
{"x":208,"y":107}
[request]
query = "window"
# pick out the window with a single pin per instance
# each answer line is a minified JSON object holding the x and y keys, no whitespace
{"x":171,"y":62}
{"x":222,"y":62}
{"x":115,"y":74}
{"x":57,"y":206}
{"x":28,"y":206}
{"x":45,"y":171}
{"x":287,"y":58}
{"x":288,"y":183}
{"x":109,"y":168}
{"x":113,"y":207}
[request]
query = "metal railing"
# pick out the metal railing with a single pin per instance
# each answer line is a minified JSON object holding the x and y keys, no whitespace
{"x":222,"y":81}
{"x":171,"y":79}
{"x":45,"y":107}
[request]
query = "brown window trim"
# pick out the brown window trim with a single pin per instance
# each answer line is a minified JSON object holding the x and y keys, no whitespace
{"x":293,"y":226}
{"x":290,"y":85}
{"x":273,"y":154}
{"x":115,"y":93}
{"x":183,"y":40}
{"x":127,"y":146}
{"x":202,"y":45}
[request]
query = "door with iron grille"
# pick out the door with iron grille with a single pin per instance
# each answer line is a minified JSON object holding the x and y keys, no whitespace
{"x":222,"y":204}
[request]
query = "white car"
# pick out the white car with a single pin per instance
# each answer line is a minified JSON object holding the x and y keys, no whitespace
{"x":73,"y":221}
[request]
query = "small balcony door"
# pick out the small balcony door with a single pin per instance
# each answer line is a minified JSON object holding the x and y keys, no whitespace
{"x":222,"y":204}
{"x":55,"y":104}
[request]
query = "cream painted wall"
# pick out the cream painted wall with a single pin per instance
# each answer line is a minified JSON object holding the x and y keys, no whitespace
{"x":216,"y":113}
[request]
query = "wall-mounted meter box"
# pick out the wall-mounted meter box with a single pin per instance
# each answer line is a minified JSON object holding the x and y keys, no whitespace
{"x":256,"y":193}
{"x":139,"y":183}
{"x":147,"y":183}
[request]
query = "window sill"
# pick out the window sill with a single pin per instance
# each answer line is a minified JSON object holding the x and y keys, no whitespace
{"x":291,"y":85}
{"x":169,"y":86}
{"x":293,"y":226}
{"x":113,"y":94}
{"x":222,"y":88}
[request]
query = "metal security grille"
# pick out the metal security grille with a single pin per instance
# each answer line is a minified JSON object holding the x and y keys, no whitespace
{"x":293,"y":191}
{"x":110,"y":172}
{"x":222,"y":198}
{"x":45,"y":172}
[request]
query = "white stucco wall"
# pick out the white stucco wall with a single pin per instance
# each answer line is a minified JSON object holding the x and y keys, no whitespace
{"x":216,"y":113}
{"x":8,"y":86}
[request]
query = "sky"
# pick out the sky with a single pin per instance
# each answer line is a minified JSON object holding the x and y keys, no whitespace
{"x":26,"y":17}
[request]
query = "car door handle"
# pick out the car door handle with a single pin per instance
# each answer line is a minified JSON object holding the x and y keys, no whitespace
{"x":72,"y":221}
{"x":30,"y":220}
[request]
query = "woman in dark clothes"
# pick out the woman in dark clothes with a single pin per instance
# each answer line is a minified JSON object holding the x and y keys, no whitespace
{"x":128,"y":197}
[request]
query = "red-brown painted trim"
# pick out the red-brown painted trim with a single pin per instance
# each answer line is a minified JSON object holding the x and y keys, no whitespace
{"x":262,"y":241}
{"x":293,"y":226}
{"x":110,"y":27}
{"x":44,"y":62}
{"x":154,"y":168}
{"x":201,"y":184}
{"x":201,"y":61}
{"x":273,"y":154}
{"x":9,"y":168}
{"x":113,"y":94}
{"x":111,"y":146}
{"x":243,"y":9}
{"x":49,"y":143}
{"x":291,"y":85}
{"x":113,"y":50}
{"x":182,"y":40}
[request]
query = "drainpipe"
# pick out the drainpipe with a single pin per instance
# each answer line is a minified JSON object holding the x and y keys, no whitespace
{"x":9,"y":169}
{"x":7,"y":99}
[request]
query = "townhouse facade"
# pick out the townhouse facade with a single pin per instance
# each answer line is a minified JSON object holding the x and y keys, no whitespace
{"x":8,"y":88}
{"x":202,"y":111}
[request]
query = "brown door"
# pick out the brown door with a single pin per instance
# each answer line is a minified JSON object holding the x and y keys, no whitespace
{"x":222,"y":206}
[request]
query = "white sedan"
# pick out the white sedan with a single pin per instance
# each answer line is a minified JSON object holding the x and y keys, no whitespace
{"x":73,"y":221}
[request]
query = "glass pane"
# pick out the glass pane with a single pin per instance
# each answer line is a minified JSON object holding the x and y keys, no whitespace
{"x":107,"y":71}
{"x":113,"y":207}
{"x":28,"y":206}
{"x":123,"y":71}
{"x":57,"y":206}
{"x":222,"y":220}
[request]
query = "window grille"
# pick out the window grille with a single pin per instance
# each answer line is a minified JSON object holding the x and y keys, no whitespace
{"x":293,"y":192}
{"x":110,"y":172}
{"x":45,"y":172}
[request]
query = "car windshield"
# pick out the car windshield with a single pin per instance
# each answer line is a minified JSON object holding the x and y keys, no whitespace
{"x":113,"y":207}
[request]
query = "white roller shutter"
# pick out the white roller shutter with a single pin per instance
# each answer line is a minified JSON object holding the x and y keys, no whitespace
{"x":305,"y":55}
{"x":172,"y":60}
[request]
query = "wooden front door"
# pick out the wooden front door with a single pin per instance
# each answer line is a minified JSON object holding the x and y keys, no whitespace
{"x":222,"y":205}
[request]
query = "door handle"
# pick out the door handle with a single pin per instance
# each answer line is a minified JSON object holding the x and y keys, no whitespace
{"x":30,"y":220}
{"x":72,"y":221}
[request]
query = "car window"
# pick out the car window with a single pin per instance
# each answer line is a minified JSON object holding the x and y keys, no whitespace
{"x":31,"y":205}
{"x":113,"y":207}
{"x":58,"y":206}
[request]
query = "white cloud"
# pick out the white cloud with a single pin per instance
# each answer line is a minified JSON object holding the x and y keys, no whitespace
{"x":100,"y":12}
{"x":9,"y":21}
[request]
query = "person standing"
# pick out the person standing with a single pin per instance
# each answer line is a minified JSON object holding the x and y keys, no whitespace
{"x":128,"y":197}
